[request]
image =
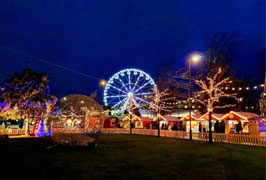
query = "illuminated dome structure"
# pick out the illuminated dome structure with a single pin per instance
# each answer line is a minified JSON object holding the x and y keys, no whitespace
{"x":126,"y":85}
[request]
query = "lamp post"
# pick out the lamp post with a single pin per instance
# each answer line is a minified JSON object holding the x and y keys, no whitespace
{"x":194,"y":58}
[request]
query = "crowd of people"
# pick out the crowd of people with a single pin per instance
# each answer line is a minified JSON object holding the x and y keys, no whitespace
{"x":219,"y":127}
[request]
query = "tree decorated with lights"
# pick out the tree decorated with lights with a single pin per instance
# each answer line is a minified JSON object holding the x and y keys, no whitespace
{"x":29,"y":93}
{"x":158,"y":104}
{"x":210,"y":94}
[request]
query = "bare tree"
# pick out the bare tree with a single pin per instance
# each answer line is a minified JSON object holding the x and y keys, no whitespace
{"x":220,"y":48}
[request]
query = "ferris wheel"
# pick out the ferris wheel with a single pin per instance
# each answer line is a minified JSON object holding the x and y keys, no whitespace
{"x":128,"y":85}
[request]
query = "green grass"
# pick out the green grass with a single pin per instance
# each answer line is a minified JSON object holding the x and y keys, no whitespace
{"x":131,"y":157}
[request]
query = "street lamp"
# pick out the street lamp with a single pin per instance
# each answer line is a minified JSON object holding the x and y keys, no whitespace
{"x":102,"y":83}
{"x":195,"y":58}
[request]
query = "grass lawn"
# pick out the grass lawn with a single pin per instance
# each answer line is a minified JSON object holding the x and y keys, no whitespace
{"x":131,"y":157}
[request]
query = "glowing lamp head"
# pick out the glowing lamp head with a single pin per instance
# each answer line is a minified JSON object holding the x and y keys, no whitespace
{"x":195,"y":58}
{"x":102,"y":83}
{"x":130,"y":94}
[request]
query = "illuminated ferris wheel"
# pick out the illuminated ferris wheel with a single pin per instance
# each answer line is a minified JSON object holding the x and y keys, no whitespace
{"x":128,"y":85}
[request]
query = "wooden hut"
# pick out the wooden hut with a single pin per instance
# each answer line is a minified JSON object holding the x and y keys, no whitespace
{"x":139,"y":122}
{"x":170,"y":121}
{"x":205,"y":120}
{"x":232,"y":118}
{"x":195,"y":119}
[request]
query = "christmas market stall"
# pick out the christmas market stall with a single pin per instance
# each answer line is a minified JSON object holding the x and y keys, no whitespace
{"x":257,"y":126}
{"x":195,"y":120}
{"x":238,"y":121}
{"x":111,"y":122}
{"x":170,"y":123}
{"x":218,"y":125}
{"x":138,"y":121}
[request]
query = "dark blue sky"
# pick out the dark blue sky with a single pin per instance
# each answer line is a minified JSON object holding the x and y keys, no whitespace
{"x":100,"y":37}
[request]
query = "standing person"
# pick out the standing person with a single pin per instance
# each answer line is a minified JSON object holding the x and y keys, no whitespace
{"x":175,"y":127}
{"x":132,"y":125}
{"x":219,"y":127}
{"x":199,"y":126}
{"x":223,"y":127}
{"x":216,"y":127}
{"x":239,"y":127}
{"x":166,"y":127}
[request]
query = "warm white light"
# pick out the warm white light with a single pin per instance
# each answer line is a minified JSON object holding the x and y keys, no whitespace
{"x":196,"y":57}
{"x":102,"y":83}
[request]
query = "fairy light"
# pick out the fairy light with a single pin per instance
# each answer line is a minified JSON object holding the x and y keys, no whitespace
{"x":211,"y":88}
{"x":242,"y":88}
{"x":158,"y":102}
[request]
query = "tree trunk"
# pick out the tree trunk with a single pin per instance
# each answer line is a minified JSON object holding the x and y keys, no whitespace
{"x":210,"y":128}
{"x":158,"y":126}
{"x":27,"y":133}
{"x":26,"y":127}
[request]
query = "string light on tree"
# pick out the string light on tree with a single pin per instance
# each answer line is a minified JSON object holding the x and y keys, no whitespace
{"x":158,"y":104}
{"x":211,"y":93}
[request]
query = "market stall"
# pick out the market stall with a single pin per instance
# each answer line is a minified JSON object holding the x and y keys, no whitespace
{"x":215,"y":118}
{"x":195,"y":120}
{"x":233,"y":118}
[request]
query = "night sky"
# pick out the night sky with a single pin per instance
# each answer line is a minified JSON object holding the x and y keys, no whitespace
{"x":101,"y":37}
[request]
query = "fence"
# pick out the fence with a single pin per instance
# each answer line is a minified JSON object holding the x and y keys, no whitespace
{"x":217,"y":137}
{"x":14,"y":131}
